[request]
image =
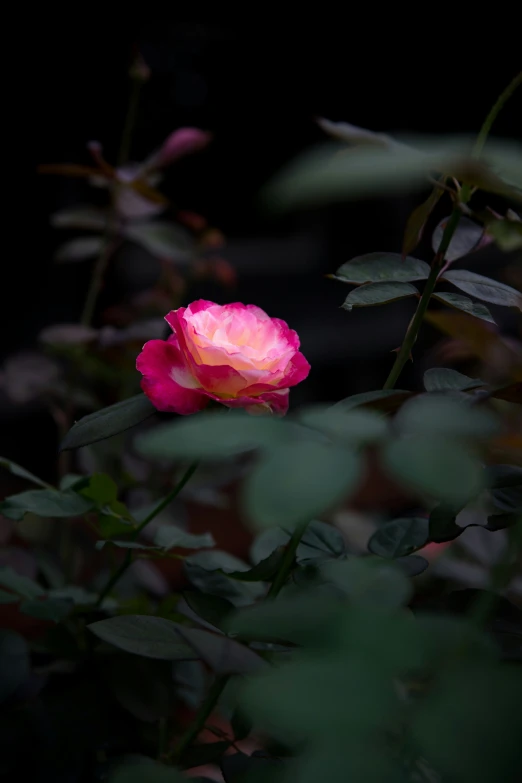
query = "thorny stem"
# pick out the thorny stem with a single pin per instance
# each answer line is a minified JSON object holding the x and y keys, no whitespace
{"x":220,"y":683}
{"x":153,"y":514}
{"x":451,"y":226}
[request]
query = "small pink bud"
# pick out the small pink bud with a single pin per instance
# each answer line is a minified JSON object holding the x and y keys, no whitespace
{"x":183,"y":141}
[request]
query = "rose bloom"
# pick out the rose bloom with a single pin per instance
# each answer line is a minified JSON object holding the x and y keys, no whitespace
{"x":234,"y":354}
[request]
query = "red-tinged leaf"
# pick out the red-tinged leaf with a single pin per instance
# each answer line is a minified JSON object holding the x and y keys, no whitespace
{"x":417,"y":221}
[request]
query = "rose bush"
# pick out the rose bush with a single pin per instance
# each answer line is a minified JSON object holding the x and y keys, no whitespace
{"x":234,"y":354}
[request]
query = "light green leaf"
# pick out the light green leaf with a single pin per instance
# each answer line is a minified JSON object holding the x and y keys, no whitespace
{"x":382,"y":268}
{"x":440,"y":467}
{"x":21,"y":585}
{"x":18,"y":470}
{"x":353,"y":427}
{"x":151,"y":637}
{"x":101,"y":488}
{"x":170,"y":537}
{"x":45,"y":503}
{"x":437,"y":414}
{"x":445,"y":379}
{"x":164,"y":240}
{"x":79,"y":249}
{"x":378,"y":293}
{"x":400,"y":537}
{"x":460,"y":302}
{"x":108,"y":421}
{"x":484,"y":288}
{"x":210,"y":436}
{"x":298,"y":480}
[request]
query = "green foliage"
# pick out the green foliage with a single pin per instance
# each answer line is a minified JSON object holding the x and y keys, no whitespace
{"x":400,"y":537}
{"x":443,"y":379}
{"x":484,"y":288}
{"x":108,"y":422}
{"x":150,"y":637}
{"x":378,"y":293}
{"x":382,"y":268}
{"x":45,"y":503}
{"x":464,"y":304}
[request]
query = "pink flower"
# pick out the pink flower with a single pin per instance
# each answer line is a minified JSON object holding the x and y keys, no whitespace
{"x":181,"y":142}
{"x":235,"y":354}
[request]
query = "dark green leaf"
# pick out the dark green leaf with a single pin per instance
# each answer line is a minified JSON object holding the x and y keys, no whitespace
{"x":437,"y":414}
{"x":466,"y":238}
{"x":470,"y":739}
{"x":484,"y":288}
{"x":298,"y":481}
{"x":142,"y":686}
{"x":17,"y":470}
{"x":21,"y":585}
{"x":126,"y":545}
{"x":443,"y":526}
{"x":387,"y":400}
{"x":412,"y":565}
{"x":320,"y":541}
{"x":240,"y":768}
{"x":151,"y":637}
{"x":210,"y":435}
{"x":108,"y":421}
{"x":417,"y":221}
{"x":164,"y":240}
{"x":460,"y":302}
{"x":382,"y":268}
{"x":400,"y":537}
{"x":439,"y":467}
{"x":502,"y":476}
{"x":52,"y":609}
{"x":264,"y":571}
{"x":204,"y":753}
{"x":241,"y":725}
{"x":156,"y":773}
{"x":369,"y":583}
{"x":210,"y":608}
{"x":354,"y":427}
{"x":14,"y":663}
{"x":8,"y":598}
{"x":378,"y":293}
{"x":45,"y":503}
{"x":207,"y":572}
{"x":221,"y":654}
{"x":171,"y":537}
{"x":79,"y":249}
{"x":444,"y":379}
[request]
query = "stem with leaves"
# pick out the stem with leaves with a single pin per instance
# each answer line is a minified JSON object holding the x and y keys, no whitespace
{"x":116,"y":576}
{"x":220,"y":683}
{"x":465,"y":194}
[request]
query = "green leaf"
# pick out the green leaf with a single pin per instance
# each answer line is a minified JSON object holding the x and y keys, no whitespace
{"x":298,"y":481}
{"x":17,"y":470}
{"x":442,"y":525}
{"x":108,"y":421}
{"x":83,"y":216}
{"x":210,"y":436}
{"x":8,"y":598}
{"x":440,"y":467}
{"x":470,"y":739}
{"x":126,"y":545}
{"x":142,"y":686}
{"x":264,"y":571}
{"x":444,"y":379}
{"x":201,"y":754}
{"x":45,"y":503}
{"x":73,"y":481}
{"x":211,"y":608}
{"x":206,"y":571}
{"x":506,"y":233}
{"x":52,"y":609}
{"x":400,"y":537}
{"x":150,"y":637}
{"x":21,"y":585}
{"x":437,"y":414}
{"x":164,"y":240}
{"x":101,"y":488}
{"x":382,"y":268}
{"x":378,"y":293}
{"x":417,"y":221}
{"x":241,"y":725}
{"x":320,"y":541}
{"x":367,"y":582}
{"x":466,"y":238}
{"x":353,"y":427}
{"x":413,"y":565}
{"x":15,"y":665}
{"x":257,"y":768}
{"x":221,"y":654}
{"x":170,"y":537}
{"x":79,"y":249}
{"x":484,"y":288}
{"x":460,"y":302}
{"x":386,"y":400}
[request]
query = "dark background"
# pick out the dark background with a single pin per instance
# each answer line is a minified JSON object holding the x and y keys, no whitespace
{"x":257,"y":86}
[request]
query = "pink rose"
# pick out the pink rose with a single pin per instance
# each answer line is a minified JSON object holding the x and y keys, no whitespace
{"x":235,"y":354}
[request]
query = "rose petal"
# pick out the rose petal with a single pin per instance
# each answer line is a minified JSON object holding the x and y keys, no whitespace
{"x":167,"y":381}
